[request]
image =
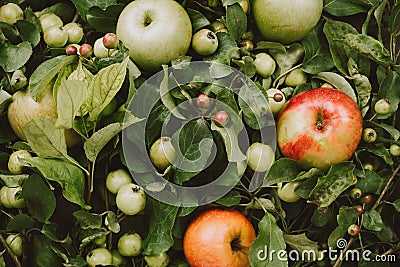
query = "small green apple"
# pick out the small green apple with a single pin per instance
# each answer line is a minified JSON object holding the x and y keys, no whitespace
{"x":204,"y":42}
{"x":265,"y":65}
{"x":10,"y":13}
{"x":158,"y":260}
{"x":296,"y":77}
{"x":260,"y":157}
{"x":14,"y":241}
{"x":55,"y":37}
{"x":50,"y":20}
{"x":15,"y":166}
{"x":75,"y":32}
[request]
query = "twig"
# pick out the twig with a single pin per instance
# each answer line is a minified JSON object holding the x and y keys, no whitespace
{"x":10,"y":252}
{"x":343,"y":252}
{"x":378,"y":202}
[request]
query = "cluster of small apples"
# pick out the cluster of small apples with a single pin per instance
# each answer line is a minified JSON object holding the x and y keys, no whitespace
{"x":104,"y":46}
{"x":56,"y":34}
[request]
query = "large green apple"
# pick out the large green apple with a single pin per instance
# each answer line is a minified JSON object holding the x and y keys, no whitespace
{"x":286,"y":21}
{"x":319,"y":127}
{"x":155,"y":31}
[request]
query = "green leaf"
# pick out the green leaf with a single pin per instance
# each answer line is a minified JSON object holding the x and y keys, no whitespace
{"x":28,"y":31}
{"x":362,"y":84}
{"x":87,"y":220}
{"x":342,"y":8}
{"x":198,"y":19}
{"x":104,"y":86}
{"x":230,"y":137}
{"x":111,"y":221}
{"x":39,"y":199}
{"x":372,"y":220}
{"x":104,"y":20}
{"x":283,"y":170}
{"x":236,"y":21}
{"x":368,"y":47}
{"x":64,"y":73}
{"x":396,"y":205}
{"x":270,"y":237}
{"x":336,"y":30}
{"x":255,"y":107}
{"x":65,"y":11}
{"x":46,"y":71}
{"x":288,"y":58}
{"x":69,"y":176}
{"x":338,"y":82}
{"x":4,"y":100}
{"x":394,"y":20}
{"x":231,"y":199}
{"x":99,"y":139}
{"x":246,"y":65}
{"x":316,"y":52}
{"x":395,"y":133}
{"x":162,"y":218}
{"x":70,"y":96}
{"x":194,"y":146}
{"x":50,"y":230}
{"x":270,"y":45}
{"x":13,"y":180}
{"x":347,"y":216}
{"x":321,"y":217}
{"x":20,"y":222}
{"x":45,"y":139}
{"x":381,"y":151}
{"x":227,"y":47}
{"x":371,"y":183}
{"x":387,"y":234}
{"x":83,"y":6}
{"x":303,"y":245}
{"x":329,"y":187}
{"x":13,"y":57}
{"x":336,"y":235}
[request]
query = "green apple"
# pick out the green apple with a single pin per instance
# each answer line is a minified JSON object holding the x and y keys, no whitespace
{"x":116,"y":179}
{"x":50,"y":20}
{"x":265,"y":65}
{"x":55,"y":37}
{"x":117,"y":258}
{"x":158,"y":260}
{"x":131,"y":199}
{"x":99,"y":50}
{"x":287,"y":192}
{"x":14,"y":241}
{"x":3,"y":197}
{"x":154,"y":31}
{"x":18,"y":80}
{"x":14,"y":199}
{"x":14,"y":164}
{"x":217,"y":26}
{"x":130,"y":245}
{"x":10,"y":13}
{"x":75,"y":32}
{"x":286,"y":21}
{"x":204,"y":42}
{"x":99,"y":256}
{"x":260,"y":157}
{"x":162,"y":152}
{"x":295,"y":77}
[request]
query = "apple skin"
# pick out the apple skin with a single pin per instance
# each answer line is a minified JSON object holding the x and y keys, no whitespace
{"x":207,"y":240}
{"x":23,"y":108}
{"x":286,"y":21}
{"x":319,"y":127}
{"x":155,"y":32}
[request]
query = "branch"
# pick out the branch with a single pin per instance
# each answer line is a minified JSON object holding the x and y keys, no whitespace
{"x":378,"y":202}
{"x":10,"y":252}
{"x":343,"y":252}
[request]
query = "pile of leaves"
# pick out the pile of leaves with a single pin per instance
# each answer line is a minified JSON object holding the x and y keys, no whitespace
{"x":354,"y":47}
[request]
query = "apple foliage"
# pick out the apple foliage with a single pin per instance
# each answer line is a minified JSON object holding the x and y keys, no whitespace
{"x":354,"y":48}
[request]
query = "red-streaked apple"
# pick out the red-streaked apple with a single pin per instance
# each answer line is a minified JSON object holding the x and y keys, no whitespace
{"x":219,"y":238}
{"x":319,"y":127}
{"x":154,"y":31}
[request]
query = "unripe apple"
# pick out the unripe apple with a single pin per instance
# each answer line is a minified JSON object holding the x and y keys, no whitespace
{"x":71,"y":50}
{"x":244,"y":4}
{"x":295,"y":77}
{"x":130,"y":199}
{"x":130,"y":245}
{"x":14,"y":199}
{"x":203,"y":100}
{"x":158,"y":260}
{"x":204,"y":42}
{"x":247,"y":45}
{"x":162,"y":153}
{"x":14,"y":241}
{"x":355,"y":193}
{"x":86,"y":50}
{"x":18,"y":80}
{"x":110,"y":40}
{"x":50,"y":20}
{"x":221,"y":118}
{"x":287,"y":192}
{"x":75,"y":32}
{"x":217,"y":26}
{"x":368,"y":166}
{"x":15,"y":166}
{"x":394,"y":150}
{"x":276,"y":100}
{"x":55,"y":37}
{"x":382,"y":106}
{"x":369,"y":135}
{"x":265,"y":65}
{"x":353,"y":230}
{"x":116,"y":179}
{"x":99,"y":256}
{"x":260,"y":157}
{"x":10,"y":13}
{"x":99,"y":50}
{"x":4,"y":198}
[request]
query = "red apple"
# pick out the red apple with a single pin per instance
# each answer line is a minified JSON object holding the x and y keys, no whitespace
{"x":219,"y":238}
{"x":319,"y":127}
